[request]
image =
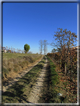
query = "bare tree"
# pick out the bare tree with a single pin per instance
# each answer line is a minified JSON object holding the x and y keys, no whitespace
{"x":41,"y":46}
{"x":45,"y":47}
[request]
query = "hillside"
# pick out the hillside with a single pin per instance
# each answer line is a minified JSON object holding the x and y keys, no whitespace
{"x":14,"y":63}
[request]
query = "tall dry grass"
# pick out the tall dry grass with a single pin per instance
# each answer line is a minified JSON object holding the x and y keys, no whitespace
{"x":13,"y":66}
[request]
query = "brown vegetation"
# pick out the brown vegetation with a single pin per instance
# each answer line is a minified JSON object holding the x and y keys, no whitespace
{"x":13,"y":66}
{"x":67,"y":87}
{"x":66,"y":61}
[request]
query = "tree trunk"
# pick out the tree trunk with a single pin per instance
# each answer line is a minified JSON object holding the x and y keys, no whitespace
{"x":65,"y":69}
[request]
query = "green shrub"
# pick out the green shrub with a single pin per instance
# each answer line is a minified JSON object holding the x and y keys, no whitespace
{"x":26,"y":48}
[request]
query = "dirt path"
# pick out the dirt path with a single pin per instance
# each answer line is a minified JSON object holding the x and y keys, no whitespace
{"x":6,"y":85}
{"x":36,"y":90}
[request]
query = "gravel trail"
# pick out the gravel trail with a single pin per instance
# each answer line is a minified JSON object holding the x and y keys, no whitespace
{"x":36,"y":90}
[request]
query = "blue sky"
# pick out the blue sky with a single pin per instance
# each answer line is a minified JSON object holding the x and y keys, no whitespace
{"x":28,"y":23}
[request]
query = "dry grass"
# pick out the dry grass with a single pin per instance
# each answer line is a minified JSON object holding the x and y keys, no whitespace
{"x":19,"y":91}
{"x":12,"y":66}
{"x":15,"y":55}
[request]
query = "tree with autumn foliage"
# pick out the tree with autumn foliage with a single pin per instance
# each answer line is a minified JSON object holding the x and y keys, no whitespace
{"x":65,"y":41}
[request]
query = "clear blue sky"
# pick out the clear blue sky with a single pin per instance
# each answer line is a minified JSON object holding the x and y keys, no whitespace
{"x":27,"y":23}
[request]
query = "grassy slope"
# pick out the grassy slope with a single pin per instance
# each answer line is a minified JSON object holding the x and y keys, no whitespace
{"x":16,"y":62}
{"x":18,"y":93}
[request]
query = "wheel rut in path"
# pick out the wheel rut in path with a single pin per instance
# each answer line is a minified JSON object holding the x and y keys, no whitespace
{"x":36,"y":90}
